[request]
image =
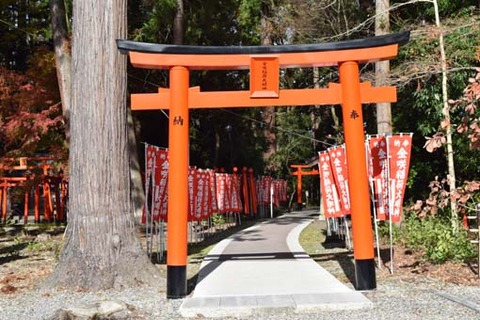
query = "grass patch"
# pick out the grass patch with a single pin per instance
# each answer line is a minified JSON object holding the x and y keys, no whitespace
{"x":312,"y":237}
{"x":330,"y":253}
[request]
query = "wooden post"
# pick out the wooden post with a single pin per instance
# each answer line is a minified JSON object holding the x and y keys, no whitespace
{"x":363,"y":250}
{"x":178,"y":143}
{"x":4,"y":201}
{"x":25,"y":208}
{"x":37,"y":203}
{"x":299,"y":190}
{"x":246,"y":201}
{"x":47,"y":200}
{"x":58,"y":213}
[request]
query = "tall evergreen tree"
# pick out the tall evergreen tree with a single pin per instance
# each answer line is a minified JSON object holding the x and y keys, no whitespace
{"x":101,"y":249}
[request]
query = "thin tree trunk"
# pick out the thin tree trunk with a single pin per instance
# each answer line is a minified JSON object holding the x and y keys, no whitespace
{"x":63,"y":58}
{"x":446,"y":112}
{"x":382,"y":68}
{"x":178,"y":24}
{"x":101,"y":249}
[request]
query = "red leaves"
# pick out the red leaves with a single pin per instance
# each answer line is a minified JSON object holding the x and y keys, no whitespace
{"x":471,"y":186}
{"x":26,"y":118}
{"x":435,"y":142}
{"x":470,"y":109}
{"x":7,"y":289}
{"x":469,"y":122}
{"x":439,"y":197}
{"x":7,"y":283}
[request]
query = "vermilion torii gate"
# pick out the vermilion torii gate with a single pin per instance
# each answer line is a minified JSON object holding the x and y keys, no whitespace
{"x":264,"y":63}
{"x":300,"y":173}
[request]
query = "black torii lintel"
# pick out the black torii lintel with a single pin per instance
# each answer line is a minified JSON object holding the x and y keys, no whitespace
{"x":400,"y":38}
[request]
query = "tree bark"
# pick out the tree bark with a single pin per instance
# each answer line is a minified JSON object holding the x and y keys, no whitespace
{"x":63,"y":58}
{"x":101,"y":250}
{"x":137,"y":186}
{"x":178,"y":24}
{"x":382,"y":68}
{"x":268,"y":114}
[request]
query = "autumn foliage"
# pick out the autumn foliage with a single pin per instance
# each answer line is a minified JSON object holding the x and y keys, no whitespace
{"x":469,"y":125}
{"x":30,"y":110}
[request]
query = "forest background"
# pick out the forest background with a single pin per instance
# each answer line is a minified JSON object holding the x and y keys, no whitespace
{"x":35,"y":122}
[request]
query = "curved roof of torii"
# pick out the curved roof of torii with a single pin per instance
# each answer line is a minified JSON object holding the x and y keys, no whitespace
{"x":378,"y":41}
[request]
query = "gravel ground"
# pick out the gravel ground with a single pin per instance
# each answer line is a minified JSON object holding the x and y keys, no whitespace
{"x":396,"y":300}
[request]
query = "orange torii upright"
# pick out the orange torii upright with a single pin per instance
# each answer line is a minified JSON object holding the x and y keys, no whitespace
{"x":299,"y":173}
{"x":264,"y":63}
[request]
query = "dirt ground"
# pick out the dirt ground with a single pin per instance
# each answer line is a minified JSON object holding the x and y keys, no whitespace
{"x":27,"y":259}
{"x":410,"y":265}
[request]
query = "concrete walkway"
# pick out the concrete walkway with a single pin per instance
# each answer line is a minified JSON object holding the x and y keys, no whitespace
{"x":263,"y":268}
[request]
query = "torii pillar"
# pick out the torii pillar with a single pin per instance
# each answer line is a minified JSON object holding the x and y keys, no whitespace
{"x":299,"y":173}
{"x":264,"y":63}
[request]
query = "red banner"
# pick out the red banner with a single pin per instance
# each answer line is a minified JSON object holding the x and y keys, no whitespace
{"x":208,"y":192}
{"x":201,"y":202}
{"x":399,"y":149}
{"x":340,"y":173}
{"x":212,"y":199}
{"x":192,"y":193}
{"x":265,"y":184}
{"x":236,"y":200}
{"x":149,"y":171}
{"x":331,"y":203}
{"x":223,"y":192}
{"x":156,"y":180}
{"x":379,"y":174}
{"x":161,"y":179}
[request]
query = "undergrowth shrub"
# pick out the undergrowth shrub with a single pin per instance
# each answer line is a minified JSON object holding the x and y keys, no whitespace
{"x":434,"y":237}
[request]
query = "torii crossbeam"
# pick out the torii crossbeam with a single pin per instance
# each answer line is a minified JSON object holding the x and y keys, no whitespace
{"x":264,"y":63}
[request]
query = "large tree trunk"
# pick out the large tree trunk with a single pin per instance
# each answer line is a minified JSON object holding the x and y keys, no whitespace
{"x":101,"y":249}
{"x":382,"y":68}
{"x":268,"y":114}
{"x":63,"y":58}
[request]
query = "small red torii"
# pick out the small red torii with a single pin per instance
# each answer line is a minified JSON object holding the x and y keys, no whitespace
{"x":299,"y":173}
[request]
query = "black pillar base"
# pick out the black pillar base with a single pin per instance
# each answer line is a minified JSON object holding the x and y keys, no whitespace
{"x":176,"y":282}
{"x":365,"y":274}
{"x":299,"y":206}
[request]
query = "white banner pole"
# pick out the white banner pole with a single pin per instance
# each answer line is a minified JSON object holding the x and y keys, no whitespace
{"x":374,"y":200}
{"x":390,"y":203}
{"x":271,"y":200}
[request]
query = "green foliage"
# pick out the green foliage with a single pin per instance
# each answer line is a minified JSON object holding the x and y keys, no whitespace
{"x":158,"y":20}
{"x":425,"y":10}
{"x":218,"y":219}
{"x":24,"y":25}
{"x":294,"y":138}
{"x":250,"y":12}
{"x":434,"y":237}
{"x":42,"y":246}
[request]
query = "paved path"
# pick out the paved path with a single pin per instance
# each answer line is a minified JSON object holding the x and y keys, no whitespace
{"x":264,"y":267}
